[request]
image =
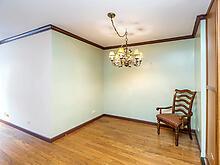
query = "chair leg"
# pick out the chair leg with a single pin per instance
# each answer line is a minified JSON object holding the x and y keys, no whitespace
{"x":189,"y":131}
{"x":158,"y":127}
{"x":176,"y":136}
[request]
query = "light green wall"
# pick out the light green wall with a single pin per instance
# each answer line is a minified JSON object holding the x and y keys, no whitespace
{"x":136,"y":92}
{"x":77,"y":82}
{"x":83,"y":80}
{"x":200,"y":79}
{"x":73,"y":82}
{"x":198,"y":84}
{"x":25,"y":83}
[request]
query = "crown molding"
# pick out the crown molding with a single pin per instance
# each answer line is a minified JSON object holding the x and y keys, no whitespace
{"x":197,"y":22}
{"x":153,"y":41}
{"x":55,"y":28}
{"x":193,"y":35}
{"x":201,"y":17}
{"x":26,"y":34}
{"x":46,"y":28}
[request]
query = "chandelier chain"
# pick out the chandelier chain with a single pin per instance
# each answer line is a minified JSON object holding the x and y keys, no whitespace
{"x":125,"y":34}
{"x":126,"y":37}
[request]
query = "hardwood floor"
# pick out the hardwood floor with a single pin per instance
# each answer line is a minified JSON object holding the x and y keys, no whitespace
{"x":105,"y":141}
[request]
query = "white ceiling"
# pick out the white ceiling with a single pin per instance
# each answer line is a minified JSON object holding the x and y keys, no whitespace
{"x":144,"y":19}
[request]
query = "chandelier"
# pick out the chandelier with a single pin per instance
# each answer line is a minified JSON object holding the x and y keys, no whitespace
{"x":124,"y":57}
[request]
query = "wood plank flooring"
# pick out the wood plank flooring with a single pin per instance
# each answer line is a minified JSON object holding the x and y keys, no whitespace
{"x":107,"y":141}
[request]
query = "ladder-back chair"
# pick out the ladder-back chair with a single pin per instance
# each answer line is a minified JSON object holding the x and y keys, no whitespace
{"x":181,"y":113}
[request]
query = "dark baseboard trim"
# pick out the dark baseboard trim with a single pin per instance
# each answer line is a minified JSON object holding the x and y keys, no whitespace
{"x":197,"y":140}
{"x":204,"y":161}
{"x":143,"y":121}
{"x":74,"y":129}
{"x":26,"y":131}
{"x":50,"y":140}
{"x":130,"y":119}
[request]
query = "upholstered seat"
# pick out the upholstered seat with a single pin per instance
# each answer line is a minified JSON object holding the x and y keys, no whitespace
{"x":174,"y":120}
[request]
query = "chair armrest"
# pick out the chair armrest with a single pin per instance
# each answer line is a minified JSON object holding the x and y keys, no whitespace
{"x":158,"y":108}
{"x":162,"y":108}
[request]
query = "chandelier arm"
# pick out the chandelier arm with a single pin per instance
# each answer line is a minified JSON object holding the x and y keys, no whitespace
{"x":125,"y":34}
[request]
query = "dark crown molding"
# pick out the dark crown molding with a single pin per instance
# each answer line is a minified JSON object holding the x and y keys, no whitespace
{"x":201,"y":17}
{"x":153,"y":41}
{"x":55,"y":28}
{"x":75,"y":36}
{"x":26,"y":34}
{"x":46,"y":28}
{"x":197,"y":22}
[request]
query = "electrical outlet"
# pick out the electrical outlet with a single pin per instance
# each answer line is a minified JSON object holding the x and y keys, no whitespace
{"x":93,"y":112}
{"x":28,"y":122}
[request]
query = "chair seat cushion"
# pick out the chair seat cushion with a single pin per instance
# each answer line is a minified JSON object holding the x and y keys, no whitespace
{"x":172,"y":120}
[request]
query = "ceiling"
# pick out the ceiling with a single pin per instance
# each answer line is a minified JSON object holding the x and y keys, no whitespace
{"x":145,"y":20}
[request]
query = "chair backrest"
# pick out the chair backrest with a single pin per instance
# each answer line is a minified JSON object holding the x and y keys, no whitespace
{"x":183,"y":101}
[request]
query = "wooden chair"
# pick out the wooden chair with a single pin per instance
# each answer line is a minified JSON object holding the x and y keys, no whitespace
{"x":181,"y":113}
